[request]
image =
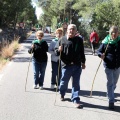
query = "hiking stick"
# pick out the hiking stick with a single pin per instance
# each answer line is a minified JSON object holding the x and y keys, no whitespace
{"x":28,"y":71}
{"x":28,"y":68}
{"x":58,"y":76}
{"x":97,"y":70}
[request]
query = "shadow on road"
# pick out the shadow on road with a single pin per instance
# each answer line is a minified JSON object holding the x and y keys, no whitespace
{"x":86,"y":94}
{"x":21,"y":59}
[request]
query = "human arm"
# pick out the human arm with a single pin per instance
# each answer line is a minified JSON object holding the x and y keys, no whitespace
{"x":31,"y":50}
{"x":83,"y":57}
{"x":51,"y":47}
{"x":96,"y":38}
{"x":101,"y":51}
{"x":58,"y":48}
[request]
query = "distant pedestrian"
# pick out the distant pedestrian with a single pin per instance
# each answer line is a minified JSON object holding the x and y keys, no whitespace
{"x":71,"y":51}
{"x":94,"y":40}
{"x":109,"y":51}
{"x":56,"y":66}
{"x":39,"y":49}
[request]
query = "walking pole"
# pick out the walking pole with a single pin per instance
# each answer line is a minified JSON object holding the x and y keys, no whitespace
{"x":28,"y":68}
{"x":95,"y":77}
{"x":58,"y":77}
{"x":28,"y":71}
{"x":98,"y":69}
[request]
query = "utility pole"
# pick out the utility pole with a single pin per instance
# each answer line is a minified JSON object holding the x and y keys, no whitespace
{"x":64,"y":11}
{"x":70,"y":13}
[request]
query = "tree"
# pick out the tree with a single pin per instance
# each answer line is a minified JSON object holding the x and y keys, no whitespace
{"x":12,"y":11}
{"x":105,"y":15}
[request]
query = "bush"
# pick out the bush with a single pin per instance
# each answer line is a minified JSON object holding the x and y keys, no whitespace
{"x":8,"y":50}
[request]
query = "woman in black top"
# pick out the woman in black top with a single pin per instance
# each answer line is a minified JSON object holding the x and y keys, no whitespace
{"x":39,"y":48}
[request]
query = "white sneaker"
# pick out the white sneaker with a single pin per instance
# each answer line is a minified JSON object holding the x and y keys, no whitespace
{"x":35,"y":86}
{"x":41,"y":87}
{"x":52,"y":86}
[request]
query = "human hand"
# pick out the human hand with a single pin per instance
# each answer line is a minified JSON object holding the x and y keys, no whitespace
{"x":83,"y":66}
{"x":103,"y":56}
{"x":32,"y":46}
{"x":60,"y":48}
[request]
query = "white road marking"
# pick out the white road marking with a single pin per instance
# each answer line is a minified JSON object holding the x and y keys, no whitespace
{"x":1,"y":75}
{"x":9,"y":63}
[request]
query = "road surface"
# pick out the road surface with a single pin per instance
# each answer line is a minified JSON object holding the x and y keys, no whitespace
{"x":35,"y":104}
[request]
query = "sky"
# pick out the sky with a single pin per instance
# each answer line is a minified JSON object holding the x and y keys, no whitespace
{"x":38,"y":9}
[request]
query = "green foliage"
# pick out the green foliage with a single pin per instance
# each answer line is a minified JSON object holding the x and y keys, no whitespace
{"x":58,"y":12}
{"x":105,"y":15}
{"x":13,"y":11}
{"x":86,"y":14}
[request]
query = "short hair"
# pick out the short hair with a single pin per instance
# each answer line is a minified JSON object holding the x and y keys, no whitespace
{"x":59,"y":30}
{"x":40,"y":32}
{"x":72,"y":25}
{"x":113,"y":28}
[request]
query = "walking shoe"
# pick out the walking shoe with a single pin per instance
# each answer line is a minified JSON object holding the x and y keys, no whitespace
{"x":41,"y":87}
{"x":111,"y":105}
{"x":62,"y":98}
{"x":52,"y":86}
{"x":78,"y":105}
{"x":35,"y":86}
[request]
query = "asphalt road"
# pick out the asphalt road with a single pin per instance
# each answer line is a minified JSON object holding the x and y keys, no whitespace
{"x":16,"y":103}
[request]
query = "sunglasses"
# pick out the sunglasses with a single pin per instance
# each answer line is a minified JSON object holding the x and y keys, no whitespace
{"x":40,"y":35}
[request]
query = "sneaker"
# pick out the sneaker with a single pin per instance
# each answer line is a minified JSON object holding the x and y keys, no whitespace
{"x":35,"y":86}
{"x":111,"y":105}
{"x":41,"y":87}
{"x":62,"y":98}
{"x":52,"y":86}
{"x":78,"y":105}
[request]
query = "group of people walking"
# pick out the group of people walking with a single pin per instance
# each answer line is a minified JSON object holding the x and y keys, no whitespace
{"x":68,"y":60}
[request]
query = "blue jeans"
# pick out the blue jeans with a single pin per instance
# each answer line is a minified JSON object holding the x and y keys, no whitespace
{"x":55,"y":74}
{"x":112,"y":79}
{"x":39,"y":72}
{"x":69,"y":71}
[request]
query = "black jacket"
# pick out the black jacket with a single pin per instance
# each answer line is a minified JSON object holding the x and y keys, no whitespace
{"x":73,"y":50}
{"x":40,"y":51}
{"x":112,"y":56}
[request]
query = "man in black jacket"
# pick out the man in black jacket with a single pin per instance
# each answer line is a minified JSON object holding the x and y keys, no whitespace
{"x":71,"y":51}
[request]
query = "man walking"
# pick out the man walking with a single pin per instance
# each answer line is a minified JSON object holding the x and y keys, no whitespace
{"x":71,"y":51}
{"x":94,"y":40}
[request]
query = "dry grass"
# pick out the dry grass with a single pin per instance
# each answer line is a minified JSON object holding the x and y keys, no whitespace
{"x":7,"y":52}
{"x":2,"y":62}
{"x":28,"y":34}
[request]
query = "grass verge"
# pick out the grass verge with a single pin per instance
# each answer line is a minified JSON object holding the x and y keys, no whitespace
{"x":8,"y":51}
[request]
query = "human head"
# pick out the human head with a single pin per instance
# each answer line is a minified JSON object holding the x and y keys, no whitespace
{"x":71,"y":30}
{"x":59,"y":32}
{"x":113,"y":32}
{"x":39,"y":34}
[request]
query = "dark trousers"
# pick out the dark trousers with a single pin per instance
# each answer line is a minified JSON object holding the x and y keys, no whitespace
{"x":39,"y":72}
{"x":56,"y":73}
{"x":93,"y":45}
